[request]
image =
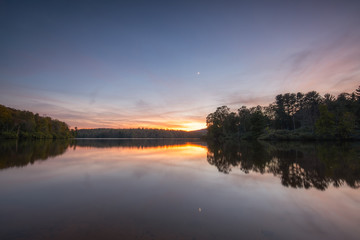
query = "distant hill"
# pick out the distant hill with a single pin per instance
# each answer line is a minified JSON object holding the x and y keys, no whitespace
{"x":138,"y":133}
{"x":201,"y":132}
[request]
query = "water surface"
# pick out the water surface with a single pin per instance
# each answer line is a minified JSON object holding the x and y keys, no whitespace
{"x":178,"y":189}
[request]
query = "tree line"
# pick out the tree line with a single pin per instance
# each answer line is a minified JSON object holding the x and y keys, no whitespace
{"x":136,"y":133}
{"x":292,"y":116}
{"x":24,"y":124}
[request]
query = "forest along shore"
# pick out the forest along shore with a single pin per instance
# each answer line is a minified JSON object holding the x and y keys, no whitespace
{"x":292,"y":116}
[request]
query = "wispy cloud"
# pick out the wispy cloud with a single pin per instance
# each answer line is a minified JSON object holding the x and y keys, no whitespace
{"x":326,"y":65}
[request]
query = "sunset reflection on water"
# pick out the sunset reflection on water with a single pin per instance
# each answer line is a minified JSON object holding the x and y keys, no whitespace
{"x":177,"y":189}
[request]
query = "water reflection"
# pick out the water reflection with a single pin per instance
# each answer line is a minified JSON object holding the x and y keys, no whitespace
{"x":136,"y":143}
{"x":161,"y":189}
{"x":15,"y":153}
{"x":299,"y":165}
{"x":21,"y":153}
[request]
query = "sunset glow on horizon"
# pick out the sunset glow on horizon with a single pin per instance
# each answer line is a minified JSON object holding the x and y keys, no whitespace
{"x":167,"y":65}
{"x":157,"y":125}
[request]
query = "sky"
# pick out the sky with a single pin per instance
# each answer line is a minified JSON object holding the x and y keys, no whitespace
{"x":168,"y":64}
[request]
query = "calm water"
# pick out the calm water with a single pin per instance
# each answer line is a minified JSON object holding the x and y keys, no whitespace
{"x":178,"y":189}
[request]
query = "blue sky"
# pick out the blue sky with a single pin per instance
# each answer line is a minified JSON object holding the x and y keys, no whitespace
{"x":170,"y":63}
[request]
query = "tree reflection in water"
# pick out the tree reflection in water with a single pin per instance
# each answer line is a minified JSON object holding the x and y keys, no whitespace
{"x":299,"y":165}
{"x":15,"y":153}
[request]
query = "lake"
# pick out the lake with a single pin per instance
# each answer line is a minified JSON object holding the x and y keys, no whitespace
{"x":178,"y":189}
